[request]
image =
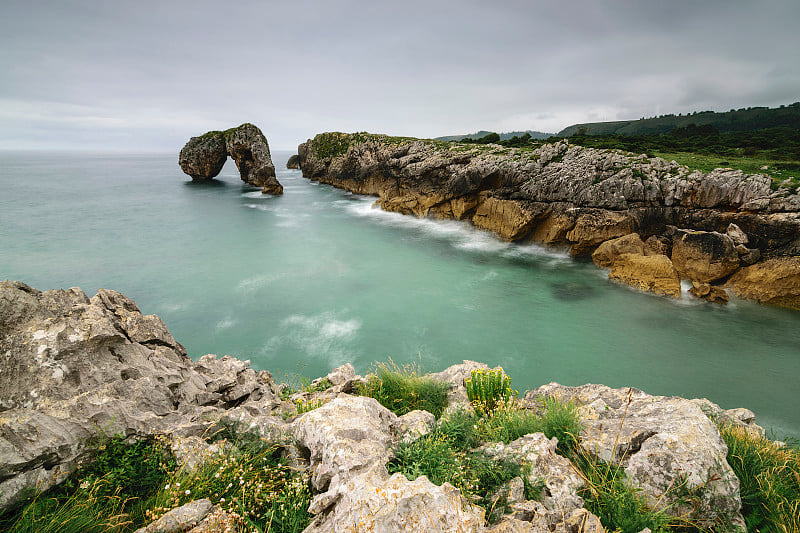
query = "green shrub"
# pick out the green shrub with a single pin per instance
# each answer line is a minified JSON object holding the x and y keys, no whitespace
{"x":488,"y":389}
{"x":405,"y":389}
{"x":769,"y":480}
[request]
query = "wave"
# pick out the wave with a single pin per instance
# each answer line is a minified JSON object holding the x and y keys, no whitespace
{"x":322,"y":336}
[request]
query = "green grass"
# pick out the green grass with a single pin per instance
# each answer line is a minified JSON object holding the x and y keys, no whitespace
{"x":769,"y":477}
{"x":130,"y":484}
{"x":403,"y":389}
{"x":781,"y":172}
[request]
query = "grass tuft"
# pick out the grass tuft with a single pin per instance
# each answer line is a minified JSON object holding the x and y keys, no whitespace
{"x":403,"y":389}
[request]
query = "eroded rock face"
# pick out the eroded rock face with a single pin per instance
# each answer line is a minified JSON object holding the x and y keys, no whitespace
{"x":706,"y":291}
{"x":774,"y":281}
{"x":74,"y":366}
{"x":203,"y":157}
{"x":293,"y":162}
{"x":562,"y":194}
{"x":703,"y":256}
{"x":650,"y":273}
{"x":667,"y":446}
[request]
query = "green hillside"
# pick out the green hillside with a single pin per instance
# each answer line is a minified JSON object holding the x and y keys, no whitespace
{"x":745,"y":119}
{"x":503,"y":136}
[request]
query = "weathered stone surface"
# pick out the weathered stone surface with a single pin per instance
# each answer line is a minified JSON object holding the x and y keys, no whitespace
{"x":561,"y":481}
{"x":703,"y":256}
{"x":203,"y":157}
{"x":510,"y":219}
{"x":738,"y":416}
{"x":74,"y":366}
{"x":666,"y":445}
{"x":736,"y":234}
{"x":180,"y":519}
{"x":651,"y":273}
{"x":344,"y":437}
{"x":712,"y":293}
{"x":414,"y":424}
{"x":455,"y":376}
{"x":609,"y":251}
{"x":774,"y":282}
{"x":293,"y":162}
{"x":562,"y":194}
{"x":375,"y":501}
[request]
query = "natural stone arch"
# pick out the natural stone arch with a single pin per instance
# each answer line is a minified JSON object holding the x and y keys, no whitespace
{"x":203,"y":157}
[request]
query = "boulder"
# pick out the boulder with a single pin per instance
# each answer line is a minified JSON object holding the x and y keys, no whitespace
{"x":703,"y":256}
{"x":712,"y":293}
{"x":455,"y":375}
{"x":667,"y":446}
{"x":344,"y":437}
{"x":593,"y":227}
{"x":608,"y":252}
{"x":774,"y":282}
{"x":510,"y":219}
{"x":203,"y":157}
{"x":650,"y":273}
{"x":736,"y":234}
{"x":375,"y":501}
{"x":73,"y":367}
{"x":179,"y":519}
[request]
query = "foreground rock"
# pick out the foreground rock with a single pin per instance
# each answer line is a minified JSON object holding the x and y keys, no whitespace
{"x":668,"y":447}
{"x":73,"y":367}
{"x":203,"y":157}
{"x":562,"y":194}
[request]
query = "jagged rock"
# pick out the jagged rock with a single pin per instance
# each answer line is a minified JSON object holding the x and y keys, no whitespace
{"x":736,"y":234}
{"x":180,"y":519}
{"x":774,"y":282}
{"x":375,"y":501}
{"x":667,"y":446}
{"x":561,"y":481}
{"x":539,"y":520}
{"x":414,"y":425}
{"x":293,"y":162}
{"x":73,"y":367}
{"x":712,"y":293}
{"x":703,"y":256}
{"x":203,"y":157}
{"x":738,"y":416}
{"x":650,"y":273}
{"x":344,"y":437}
{"x":562,"y":194}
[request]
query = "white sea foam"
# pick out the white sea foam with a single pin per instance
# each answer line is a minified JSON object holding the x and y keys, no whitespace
{"x":258,"y":282}
{"x":225,"y":324}
{"x":321,"y":336}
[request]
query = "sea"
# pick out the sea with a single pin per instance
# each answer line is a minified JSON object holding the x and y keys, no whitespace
{"x":318,"y":277}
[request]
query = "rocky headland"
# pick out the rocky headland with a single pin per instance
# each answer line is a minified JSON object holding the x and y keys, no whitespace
{"x":651,"y":222}
{"x":73,"y":367}
{"x":203,"y":157}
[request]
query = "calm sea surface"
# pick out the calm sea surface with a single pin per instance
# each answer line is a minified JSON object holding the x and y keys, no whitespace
{"x":316,"y":278}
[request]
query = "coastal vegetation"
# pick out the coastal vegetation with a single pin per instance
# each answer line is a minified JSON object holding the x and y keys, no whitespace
{"x":255,"y":485}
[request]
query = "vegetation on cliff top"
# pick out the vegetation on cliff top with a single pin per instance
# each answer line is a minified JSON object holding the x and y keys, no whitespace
{"x":130,"y":483}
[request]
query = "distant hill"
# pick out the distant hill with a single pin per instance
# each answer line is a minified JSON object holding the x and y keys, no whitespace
{"x":745,"y":119}
{"x":503,"y":136}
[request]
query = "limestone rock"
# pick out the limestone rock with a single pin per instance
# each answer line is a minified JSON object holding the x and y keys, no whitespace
{"x":203,"y":157}
{"x":736,"y":234}
{"x":561,"y":481}
{"x":774,"y":282}
{"x":344,"y":437}
{"x":510,"y":219}
{"x":74,"y":366}
{"x":455,"y":376}
{"x":608,"y":252}
{"x":180,"y":519}
{"x":667,"y":446}
{"x":593,"y":227}
{"x":375,"y":501}
{"x":712,"y":293}
{"x":293,"y":162}
{"x":414,"y":425}
{"x":703,"y":256}
{"x":738,"y":416}
{"x":652,"y":273}
{"x":747,"y":256}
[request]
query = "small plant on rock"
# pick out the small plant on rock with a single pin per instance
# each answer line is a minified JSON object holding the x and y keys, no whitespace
{"x":488,"y":390}
{"x":402,"y":389}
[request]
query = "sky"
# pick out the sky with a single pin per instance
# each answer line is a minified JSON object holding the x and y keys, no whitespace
{"x":144,"y":76}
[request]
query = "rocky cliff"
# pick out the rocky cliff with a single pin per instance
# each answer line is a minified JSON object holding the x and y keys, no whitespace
{"x":563,"y":194}
{"x":72,"y":367}
{"x":203,"y":157}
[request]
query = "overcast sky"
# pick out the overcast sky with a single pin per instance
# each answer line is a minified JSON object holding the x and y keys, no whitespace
{"x":146,"y":75}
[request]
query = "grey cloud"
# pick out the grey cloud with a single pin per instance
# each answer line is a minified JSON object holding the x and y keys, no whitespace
{"x":146,"y":74}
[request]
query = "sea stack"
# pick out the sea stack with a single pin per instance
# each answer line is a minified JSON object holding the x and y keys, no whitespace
{"x":203,"y":157}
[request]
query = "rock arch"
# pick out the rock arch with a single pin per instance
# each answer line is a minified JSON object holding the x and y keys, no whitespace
{"x":203,"y":157}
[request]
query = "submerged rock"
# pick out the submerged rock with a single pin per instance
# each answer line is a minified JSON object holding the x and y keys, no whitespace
{"x":203,"y":157}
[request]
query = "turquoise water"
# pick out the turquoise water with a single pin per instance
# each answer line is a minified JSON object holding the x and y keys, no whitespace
{"x":317,"y":277}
